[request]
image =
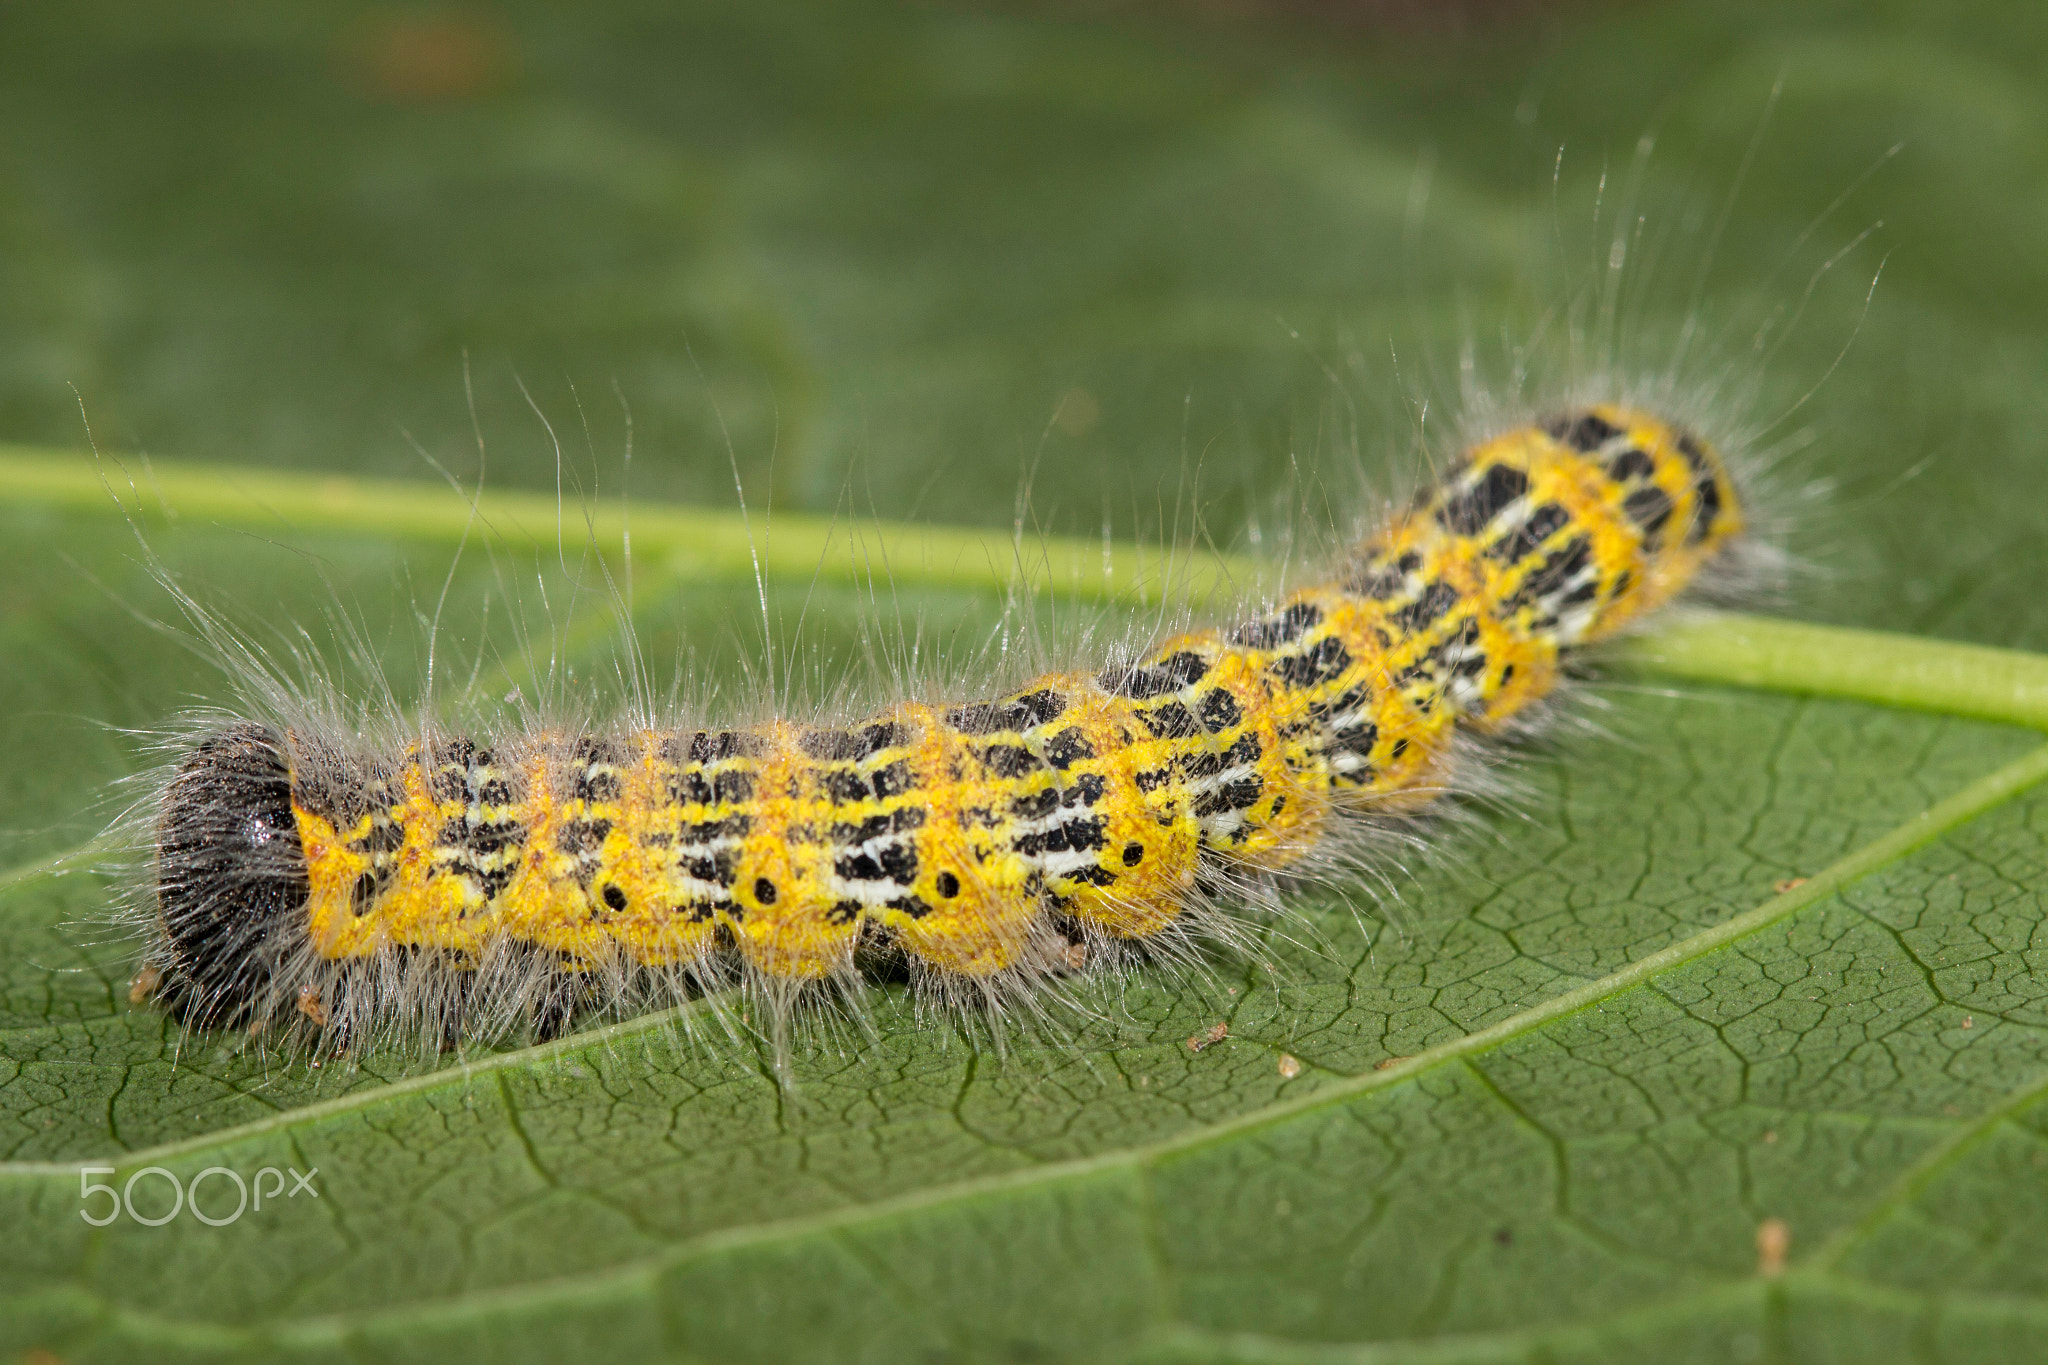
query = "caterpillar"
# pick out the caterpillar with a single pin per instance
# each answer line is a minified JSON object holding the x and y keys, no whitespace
{"x":474,"y":891}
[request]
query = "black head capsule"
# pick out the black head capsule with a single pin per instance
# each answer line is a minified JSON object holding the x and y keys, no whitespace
{"x":231,"y":885}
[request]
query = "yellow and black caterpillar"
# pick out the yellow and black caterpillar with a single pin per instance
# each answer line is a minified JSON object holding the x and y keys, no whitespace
{"x":476,"y":892}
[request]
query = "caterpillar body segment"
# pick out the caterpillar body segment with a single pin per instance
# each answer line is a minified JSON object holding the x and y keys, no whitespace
{"x":482,"y":889}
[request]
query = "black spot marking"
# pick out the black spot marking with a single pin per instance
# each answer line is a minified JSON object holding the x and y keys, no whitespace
{"x":1171,"y":721}
{"x":1245,"y":750}
{"x":1220,"y":710}
{"x":1356,"y":739}
{"x":578,"y":837}
{"x":1238,"y":795}
{"x":1283,"y":629}
{"x":590,"y":750}
{"x":1043,"y":705}
{"x":705,"y":831}
{"x":948,"y":885}
{"x":883,"y":735}
{"x":614,"y":897}
{"x":715,"y":746}
{"x":894,"y":780}
{"x":1134,"y":853}
{"x":1350,"y":699}
{"x":496,"y":836}
{"x":1209,"y":764}
{"x":1630,"y":464}
{"x":1706,"y":510}
{"x":895,"y":863}
{"x":878,"y":826}
{"x":1527,"y":538}
{"x":1695,"y":455}
{"x":764,"y":891}
{"x":1078,"y":835}
{"x":1648,"y":508}
{"x":913,"y":906}
{"x":1465,"y":513}
{"x":1383,"y":581}
{"x":1037,"y":805}
{"x":735,"y":788}
{"x":720,"y":867}
{"x":1436,"y":599}
{"x":986,"y":718}
{"x":845,"y":788}
{"x":1171,"y":674}
{"x":831,"y":745}
{"x":1087,"y":835}
{"x":1583,"y":432}
{"x":1067,"y":748}
{"x":598,"y":786}
{"x":1010,"y":761}
{"x":1558,"y":568}
{"x":385,"y":836}
{"x":899,"y":863}
{"x":1326,"y":662}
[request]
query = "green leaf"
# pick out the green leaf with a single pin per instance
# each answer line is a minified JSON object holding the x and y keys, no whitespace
{"x":1604,"y":1079}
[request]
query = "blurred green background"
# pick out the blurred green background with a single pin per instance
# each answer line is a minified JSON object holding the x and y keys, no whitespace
{"x":1158,"y":252}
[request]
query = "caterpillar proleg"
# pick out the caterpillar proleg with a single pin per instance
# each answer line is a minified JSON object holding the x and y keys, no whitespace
{"x":306,"y":888}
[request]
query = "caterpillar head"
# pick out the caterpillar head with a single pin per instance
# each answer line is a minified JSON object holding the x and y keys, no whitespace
{"x":230,"y":873}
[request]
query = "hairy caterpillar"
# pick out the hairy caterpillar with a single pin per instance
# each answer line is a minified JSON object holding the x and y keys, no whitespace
{"x":472,"y":892}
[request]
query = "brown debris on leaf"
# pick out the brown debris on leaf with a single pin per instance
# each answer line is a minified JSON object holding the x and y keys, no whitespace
{"x":1773,"y":1244}
{"x":144,"y":985}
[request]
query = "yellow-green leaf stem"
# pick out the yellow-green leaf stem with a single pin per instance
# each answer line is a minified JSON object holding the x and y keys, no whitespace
{"x":689,"y":543}
{"x":1864,"y":665}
